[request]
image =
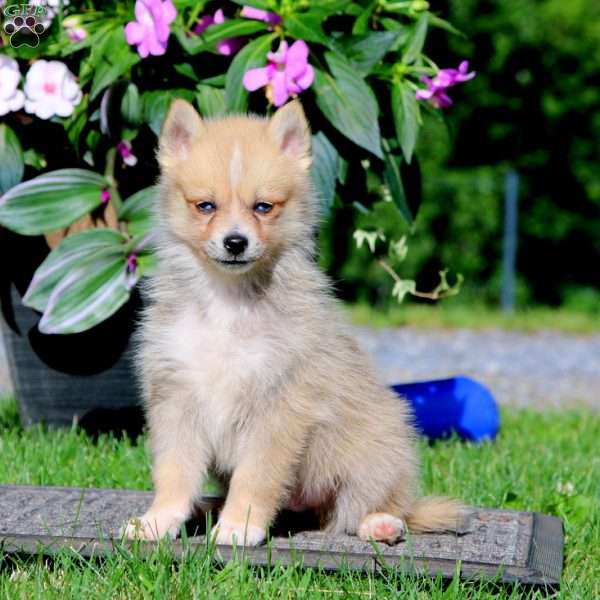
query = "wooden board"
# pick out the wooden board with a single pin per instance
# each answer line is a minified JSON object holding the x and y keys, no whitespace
{"x":495,"y":544}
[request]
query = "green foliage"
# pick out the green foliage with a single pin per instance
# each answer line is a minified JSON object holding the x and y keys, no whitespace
{"x":367,"y":58}
{"x":11,"y":159}
{"x":51,"y":201}
{"x":532,"y":107}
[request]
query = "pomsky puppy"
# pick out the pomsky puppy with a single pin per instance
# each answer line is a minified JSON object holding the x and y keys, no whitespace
{"x":246,"y":366}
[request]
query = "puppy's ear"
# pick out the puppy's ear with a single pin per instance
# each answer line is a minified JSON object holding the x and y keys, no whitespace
{"x":180,"y":129}
{"x":289,"y":128}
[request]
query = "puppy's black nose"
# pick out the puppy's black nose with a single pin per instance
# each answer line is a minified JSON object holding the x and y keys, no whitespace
{"x":235,"y":244}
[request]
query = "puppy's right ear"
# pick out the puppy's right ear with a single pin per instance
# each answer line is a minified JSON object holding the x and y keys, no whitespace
{"x":180,"y":129}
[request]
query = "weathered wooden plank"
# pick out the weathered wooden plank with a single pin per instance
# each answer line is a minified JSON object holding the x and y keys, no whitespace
{"x":501,"y":544}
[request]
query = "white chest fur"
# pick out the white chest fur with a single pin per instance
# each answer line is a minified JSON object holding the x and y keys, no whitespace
{"x":230,"y":357}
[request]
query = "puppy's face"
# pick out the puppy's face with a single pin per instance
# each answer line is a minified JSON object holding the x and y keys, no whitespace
{"x":236,"y":187}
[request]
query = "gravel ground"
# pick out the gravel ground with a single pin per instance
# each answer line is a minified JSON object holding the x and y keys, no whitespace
{"x":541,"y":370}
{"x":546,"y":369}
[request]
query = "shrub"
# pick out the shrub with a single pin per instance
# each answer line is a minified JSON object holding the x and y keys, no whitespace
{"x":77,"y":145}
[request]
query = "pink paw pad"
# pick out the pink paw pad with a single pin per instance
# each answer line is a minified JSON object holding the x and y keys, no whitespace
{"x":382,"y":527}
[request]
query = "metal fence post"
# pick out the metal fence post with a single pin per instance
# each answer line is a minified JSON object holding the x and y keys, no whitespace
{"x":509,"y":246}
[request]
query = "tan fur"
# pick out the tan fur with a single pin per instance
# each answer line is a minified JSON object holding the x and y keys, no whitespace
{"x":248,"y":369}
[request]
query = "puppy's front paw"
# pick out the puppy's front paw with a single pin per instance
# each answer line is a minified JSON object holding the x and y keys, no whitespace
{"x":231,"y":534}
{"x":382,"y":527}
{"x":153,"y":526}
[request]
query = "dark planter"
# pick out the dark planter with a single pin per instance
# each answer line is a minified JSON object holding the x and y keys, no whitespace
{"x":58,"y":379}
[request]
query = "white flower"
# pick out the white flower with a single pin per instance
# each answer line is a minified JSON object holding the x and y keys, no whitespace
{"x":51,"y":89}
{"x":51,"y":7}
{"x":11,"y":98}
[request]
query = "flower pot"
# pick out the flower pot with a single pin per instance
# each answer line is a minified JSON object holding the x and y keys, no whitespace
{"x":58,"y":379}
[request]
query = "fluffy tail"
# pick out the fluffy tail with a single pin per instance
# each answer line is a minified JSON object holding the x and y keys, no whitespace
{"x":433,"y":513}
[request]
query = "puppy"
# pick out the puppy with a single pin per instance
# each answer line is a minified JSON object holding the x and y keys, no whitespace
{"x":246,"y":367}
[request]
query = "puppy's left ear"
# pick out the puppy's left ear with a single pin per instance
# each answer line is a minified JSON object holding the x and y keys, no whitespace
{"x":289,"y":128}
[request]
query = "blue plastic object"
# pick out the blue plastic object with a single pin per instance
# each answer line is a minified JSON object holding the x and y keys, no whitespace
{"x":457,"y":405}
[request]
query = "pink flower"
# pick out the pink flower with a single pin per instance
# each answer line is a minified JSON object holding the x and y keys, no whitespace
{"x":260,"y":15}
{"x":125,"y":150}
{"x":77,"y":34}
{"x":436,"y":88}
{"x":226,"y":47}
{"x":287,"y":74}
{"x":105,"y":196}
{"x":150,"y":31}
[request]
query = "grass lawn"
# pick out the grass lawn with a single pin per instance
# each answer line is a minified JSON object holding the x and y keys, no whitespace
{"x":545,"y":462}
{"x":449,"y":314}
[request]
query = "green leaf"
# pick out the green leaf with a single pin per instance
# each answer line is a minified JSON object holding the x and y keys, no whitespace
{"x":264,"y":4}
{"x":131,"y":105}
{"x":137,"y":211}
{"x":325,"y":8}
{"x":361,"y":25}
{"x":405,"y":109}
{"x":416,"y":40}
{"x":211,"y":101}
{"x":308,"y":27}
{"x":51,"y":201}
{"x":11,"y":159}
{"x":112,"y":60}
{"x":325,"y":167}
{"x":396,"y":187}
{"x":251,"y":56}
{"x":349,"y":103}
{"x":71,"y":253}
{"x":366,"y":50}
{"x":403,"y":287}
{"x":207,"y":41}
{"x":87,"y":295}
{"x":76,"y":123}
{"x":155,"y":106}
{"x":186,"y":70}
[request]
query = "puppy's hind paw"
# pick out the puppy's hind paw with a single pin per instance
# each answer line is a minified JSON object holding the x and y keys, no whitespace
{"x":382,"y":527}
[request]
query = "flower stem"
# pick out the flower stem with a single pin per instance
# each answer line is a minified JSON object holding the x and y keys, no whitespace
{"x":109,"y":174}
{"x":435,"y":295}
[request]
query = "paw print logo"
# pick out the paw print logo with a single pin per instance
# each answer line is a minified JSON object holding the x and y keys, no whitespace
{"x":24,"y":30}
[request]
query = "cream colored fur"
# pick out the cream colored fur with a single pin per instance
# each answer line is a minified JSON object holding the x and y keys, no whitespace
{"x":249,"y":370}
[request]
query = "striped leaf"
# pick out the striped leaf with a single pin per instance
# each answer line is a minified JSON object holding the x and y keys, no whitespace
{"x":73,"y":252}
{"x":88,"y":295}
{"x":51,"y":201}
{"x":11,"y":159}
{"x":137,"y":210}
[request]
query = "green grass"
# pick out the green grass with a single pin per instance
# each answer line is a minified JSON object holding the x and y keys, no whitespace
{"x":545,"y":462}
{"x":451,"y":315}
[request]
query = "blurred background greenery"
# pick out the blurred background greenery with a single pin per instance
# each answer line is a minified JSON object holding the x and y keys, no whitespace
{"x":534,"y":107}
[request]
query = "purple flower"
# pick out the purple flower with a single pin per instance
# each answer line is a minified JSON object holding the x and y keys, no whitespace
{"x":226,"y":47}
{"x":125,"y":150}
{"x":260,"y":15}
{"x":150,"y":31}
{"x":436,"y":88}
{"x":105,"y":196}
{"x":131,"y":271}
{"x":287,"y":74}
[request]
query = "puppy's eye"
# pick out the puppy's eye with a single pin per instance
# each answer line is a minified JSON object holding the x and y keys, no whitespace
{"x":262,"y":208}
{"x":205,"y":207}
